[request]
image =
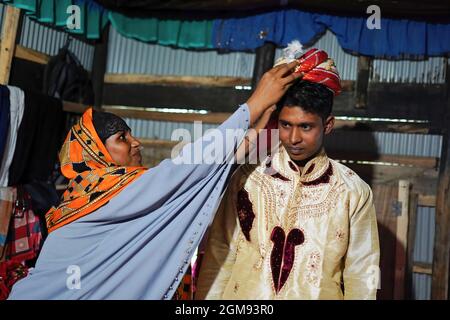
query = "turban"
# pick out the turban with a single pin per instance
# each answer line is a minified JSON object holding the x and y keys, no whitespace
{"x":315,"y":66}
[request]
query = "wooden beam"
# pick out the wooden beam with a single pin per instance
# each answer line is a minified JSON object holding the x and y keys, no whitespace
{"x":441,"y":252}
{"x":99,"y":62}
{"x":214,"y":99}
{"x":176,"y":80}
{"x":74,"y":107}
{"x":31,"y":55}
{"x":264,"y":60}
{"x":8,"y":44}
{"x":422,"y":162}
{"x":427,"y":200}
{"x":213,"y":118}
{"x":423,"y":268}
{"x":366,"y":125}
{"x":402,"y":240}
{"x":213,"y":81}
{"x":362,"y":81}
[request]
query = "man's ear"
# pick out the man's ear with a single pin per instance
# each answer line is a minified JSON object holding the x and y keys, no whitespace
{"x":329,"y":124}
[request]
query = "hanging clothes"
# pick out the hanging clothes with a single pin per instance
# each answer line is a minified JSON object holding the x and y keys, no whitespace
{"x":4,"y":118}
{"x":17,"y":100}
{"x":24,"y":239}
{"x":396,"y":38}
{"x":20,"y":237}
{"x":7,"y":199}
{"x":54,"y":12}
{"x":38,"y":140}
{"x":10,"y":273}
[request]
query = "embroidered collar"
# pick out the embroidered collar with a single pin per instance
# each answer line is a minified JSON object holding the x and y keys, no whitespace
{"x":314,"y":170}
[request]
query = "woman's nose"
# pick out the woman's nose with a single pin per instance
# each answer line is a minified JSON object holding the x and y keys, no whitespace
{"x":135,"y":143}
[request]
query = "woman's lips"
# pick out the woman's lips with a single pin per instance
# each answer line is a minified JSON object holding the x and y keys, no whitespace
{"x":137,"y":155}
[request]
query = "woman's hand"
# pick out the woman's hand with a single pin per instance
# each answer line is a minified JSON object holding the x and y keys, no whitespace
{"x":250,"y":140}
{"x":272,"y":86}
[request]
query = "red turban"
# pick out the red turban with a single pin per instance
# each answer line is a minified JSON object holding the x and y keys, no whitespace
{"x":317,"y":67}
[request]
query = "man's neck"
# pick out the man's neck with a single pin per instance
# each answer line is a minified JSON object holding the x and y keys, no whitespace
{"x":302,"y":163}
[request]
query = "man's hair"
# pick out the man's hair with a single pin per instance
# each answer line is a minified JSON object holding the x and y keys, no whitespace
{"x":310,"y":96}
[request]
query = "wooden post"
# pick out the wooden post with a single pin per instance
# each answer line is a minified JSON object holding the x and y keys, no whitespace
{"x":402,"y":240}
{"x":8,"y":42}
{"x":441,"y":255}
{"x":99,"y":67}
{"x":264,"y":60}
{"x":362,"y":81}
{"x":413,"y":204}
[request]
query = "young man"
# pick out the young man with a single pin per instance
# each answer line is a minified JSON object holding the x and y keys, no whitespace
{"x":298,"y":225}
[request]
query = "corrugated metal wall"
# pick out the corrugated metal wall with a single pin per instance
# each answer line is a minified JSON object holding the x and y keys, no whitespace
{"x":430,"y":71}
{"x":422,"y":286}
{"x":132,"y":56}
{"x":423,"y":250}
{"x":420,"y":145}
{"x":47,"y":40}
{"x":160,"y":130}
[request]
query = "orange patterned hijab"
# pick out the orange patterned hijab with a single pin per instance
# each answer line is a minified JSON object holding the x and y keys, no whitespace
{"x":94,"y":177}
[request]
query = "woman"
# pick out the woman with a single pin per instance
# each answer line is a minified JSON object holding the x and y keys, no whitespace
{"x":123,"y":232}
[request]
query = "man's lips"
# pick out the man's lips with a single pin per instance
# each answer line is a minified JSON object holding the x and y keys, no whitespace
{"x":295,"y":150}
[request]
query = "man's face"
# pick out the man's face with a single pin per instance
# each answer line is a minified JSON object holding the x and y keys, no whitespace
{"x":124,"y":149}
{"x":301,"y":132}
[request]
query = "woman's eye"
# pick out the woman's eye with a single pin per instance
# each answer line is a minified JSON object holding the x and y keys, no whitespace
{"x":122,"y":137}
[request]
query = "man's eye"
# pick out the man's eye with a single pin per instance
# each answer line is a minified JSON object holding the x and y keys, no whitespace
{"x":285,"y":125}
{"x":306,"y":127}
{"x":122,"y":137}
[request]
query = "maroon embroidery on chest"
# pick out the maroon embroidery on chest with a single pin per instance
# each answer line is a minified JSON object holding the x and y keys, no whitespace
{"x":310,"y":169}
{"x":292,"y":166}
{"x":283,"y":254}
{"x":279,"y":176}
{"x":245,"y":213}
{"x":324,"y":178}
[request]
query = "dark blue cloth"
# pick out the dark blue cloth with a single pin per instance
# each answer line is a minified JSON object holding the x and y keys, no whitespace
{"x":5,"y":114}
{"x":395,"y":39}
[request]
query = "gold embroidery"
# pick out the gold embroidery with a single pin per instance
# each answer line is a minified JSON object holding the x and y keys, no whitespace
{"x":313,"y":268}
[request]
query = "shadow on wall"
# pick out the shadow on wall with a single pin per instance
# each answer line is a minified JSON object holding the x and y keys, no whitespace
{"x":345,"y":144}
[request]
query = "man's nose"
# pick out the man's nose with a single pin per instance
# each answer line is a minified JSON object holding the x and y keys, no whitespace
{"x":295,"y":136}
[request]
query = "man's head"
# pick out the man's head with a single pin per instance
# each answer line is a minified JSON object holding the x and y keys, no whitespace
{"x":116,"y":136}
{"x":304,"y":117}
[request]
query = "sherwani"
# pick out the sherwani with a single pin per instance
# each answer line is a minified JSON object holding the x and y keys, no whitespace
{"x":284,"y":232}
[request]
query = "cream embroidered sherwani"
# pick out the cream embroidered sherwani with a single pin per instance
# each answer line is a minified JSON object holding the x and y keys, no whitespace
{"x":285,"y":233}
